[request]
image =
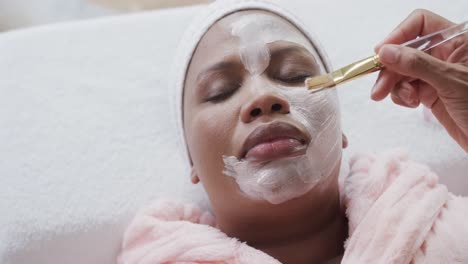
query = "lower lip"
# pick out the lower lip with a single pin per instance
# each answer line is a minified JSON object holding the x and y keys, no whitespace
{"x":276,"y":149}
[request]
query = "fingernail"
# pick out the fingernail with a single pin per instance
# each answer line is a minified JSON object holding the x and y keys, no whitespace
{"x":374,"y":89}
{"x":414,"y":103}
{"x":389,"y":54}
{"x":372,"y":93}
{"x":405,"y":95}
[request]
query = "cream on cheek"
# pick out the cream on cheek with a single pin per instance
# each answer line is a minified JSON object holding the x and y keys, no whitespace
{"x":283,"y":179}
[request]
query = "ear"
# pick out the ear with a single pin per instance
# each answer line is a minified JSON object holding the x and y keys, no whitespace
{"x":344,"y":141}
{"x":194,"y":176}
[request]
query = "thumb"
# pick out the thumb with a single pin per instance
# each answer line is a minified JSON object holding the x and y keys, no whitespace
{"x":415,"y":63}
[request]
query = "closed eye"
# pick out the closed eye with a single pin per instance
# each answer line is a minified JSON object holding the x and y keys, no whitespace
{"x":221,"y":96}
{"x":294,"y":78}
{"x":220,"y":81}
{"x":291,"y":65}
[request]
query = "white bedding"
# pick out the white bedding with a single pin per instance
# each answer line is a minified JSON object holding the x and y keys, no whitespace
{"x":85,"y":134}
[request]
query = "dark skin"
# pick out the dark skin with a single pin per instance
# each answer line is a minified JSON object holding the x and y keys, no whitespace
{"x":218,"y":102}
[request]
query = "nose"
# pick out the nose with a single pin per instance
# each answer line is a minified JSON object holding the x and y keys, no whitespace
{"x":265,"y":104}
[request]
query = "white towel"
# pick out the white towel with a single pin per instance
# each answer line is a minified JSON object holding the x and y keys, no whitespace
{"x":85,"y":133}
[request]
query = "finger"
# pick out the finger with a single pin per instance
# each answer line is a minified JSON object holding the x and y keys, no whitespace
{"x":405,"y":94}
{"x":426,"y":93}
{"x":441,"y":113}
{"x":419,"y":23}
{"x":397,"y":100}
{"x":386,"y":81}
{"x":416,"y":64}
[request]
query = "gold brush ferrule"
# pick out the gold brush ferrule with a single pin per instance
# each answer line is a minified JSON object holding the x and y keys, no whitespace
{"x":356,"y":69}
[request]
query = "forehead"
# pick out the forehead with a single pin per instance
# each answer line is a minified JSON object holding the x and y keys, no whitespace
{"x":221,"y":40}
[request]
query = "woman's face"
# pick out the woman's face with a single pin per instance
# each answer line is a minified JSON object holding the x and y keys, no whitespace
{"x":231,"y":106}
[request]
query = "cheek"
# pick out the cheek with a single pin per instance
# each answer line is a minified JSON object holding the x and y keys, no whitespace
{"x":209,"y":138}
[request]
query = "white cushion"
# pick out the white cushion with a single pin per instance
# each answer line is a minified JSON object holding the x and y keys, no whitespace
{"x":86,"y":136}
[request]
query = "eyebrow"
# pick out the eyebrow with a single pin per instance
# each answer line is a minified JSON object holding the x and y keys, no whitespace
{"x":232,"y":63}
{"x":289,"y":49}
{"x":228,"y":65}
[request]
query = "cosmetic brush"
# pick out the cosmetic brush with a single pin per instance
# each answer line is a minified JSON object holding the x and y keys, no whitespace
{"x":372,"y":64}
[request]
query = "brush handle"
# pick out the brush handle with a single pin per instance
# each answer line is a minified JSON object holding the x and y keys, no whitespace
{"x":372,"y":64}
{"x":433,"y":40}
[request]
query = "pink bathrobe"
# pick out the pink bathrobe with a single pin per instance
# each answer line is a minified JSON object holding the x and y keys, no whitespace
{"x":397,"y":212}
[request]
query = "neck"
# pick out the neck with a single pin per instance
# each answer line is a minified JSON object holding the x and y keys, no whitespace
{"x":317,"y":246}
{"x":309,"y":229}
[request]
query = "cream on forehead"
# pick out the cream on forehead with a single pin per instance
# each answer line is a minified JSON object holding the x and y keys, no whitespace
{"x":255,"y":31}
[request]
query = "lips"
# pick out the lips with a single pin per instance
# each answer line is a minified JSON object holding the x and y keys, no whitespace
{"x":274,"y":141}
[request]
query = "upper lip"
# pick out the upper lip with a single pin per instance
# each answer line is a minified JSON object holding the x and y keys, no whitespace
{"x":270,"y":132}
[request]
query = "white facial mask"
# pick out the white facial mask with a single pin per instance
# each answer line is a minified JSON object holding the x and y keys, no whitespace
{"x":255,"y":31}
{"x":254,"y":53}
{"x":283,"y":179}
